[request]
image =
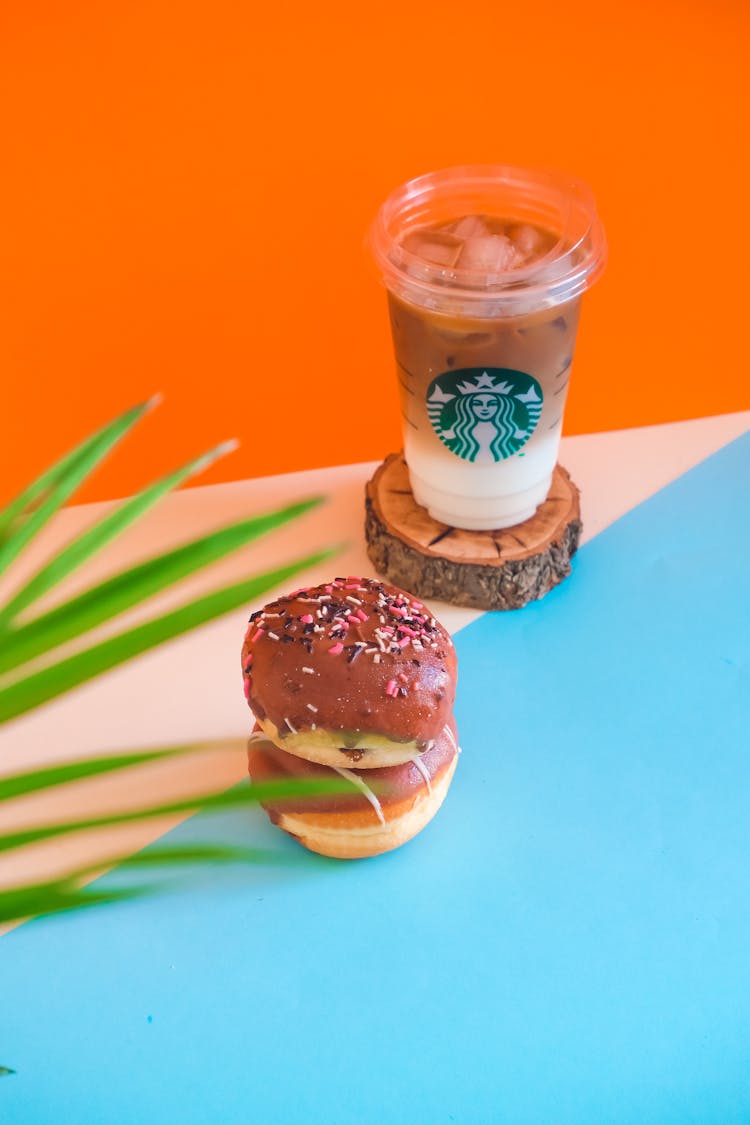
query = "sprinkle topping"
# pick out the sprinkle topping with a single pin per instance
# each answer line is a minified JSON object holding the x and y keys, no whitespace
{"x":339,"y":615}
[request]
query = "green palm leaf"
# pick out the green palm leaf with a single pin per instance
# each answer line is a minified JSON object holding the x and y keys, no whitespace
{"x":206,"y":802}
{"x":25,"y":516}
{"x":51,"y":898}
{"x":67,"y":891}
{"x":20,"y":521}
{"x":132,"y":587}
{"x":95,"y":538}
{"x":49,"y":777}
{"x":38,"y":688}
{"x":31,"y":496}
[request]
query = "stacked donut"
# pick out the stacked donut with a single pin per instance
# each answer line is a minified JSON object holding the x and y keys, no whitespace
{"x":357,"y":677}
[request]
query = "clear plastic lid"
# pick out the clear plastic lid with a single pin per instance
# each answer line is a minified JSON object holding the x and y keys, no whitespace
{"x":574,"y":256}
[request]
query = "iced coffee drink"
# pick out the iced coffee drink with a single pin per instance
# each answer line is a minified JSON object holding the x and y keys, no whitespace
{"x":484,"y":305}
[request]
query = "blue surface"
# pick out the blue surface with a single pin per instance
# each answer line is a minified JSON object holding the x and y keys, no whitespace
{"x":569,"y":941}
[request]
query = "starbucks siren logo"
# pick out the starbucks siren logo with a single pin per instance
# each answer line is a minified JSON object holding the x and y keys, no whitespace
{"x":484,"y":413}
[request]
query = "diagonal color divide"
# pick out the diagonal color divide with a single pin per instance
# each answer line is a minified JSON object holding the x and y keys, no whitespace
{"x":567,"y":942}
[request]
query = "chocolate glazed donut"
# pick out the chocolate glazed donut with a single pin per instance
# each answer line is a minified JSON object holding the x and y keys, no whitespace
{"x":390,"y":807}
{"x":352,"y":672}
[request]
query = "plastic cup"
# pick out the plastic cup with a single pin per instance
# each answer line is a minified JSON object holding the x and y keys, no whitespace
{"x":484,"y":326}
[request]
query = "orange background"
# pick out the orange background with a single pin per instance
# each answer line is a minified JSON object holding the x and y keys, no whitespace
{"x":186,"y":188}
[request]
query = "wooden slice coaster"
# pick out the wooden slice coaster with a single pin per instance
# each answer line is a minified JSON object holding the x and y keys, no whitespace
{"x":503,"y":569}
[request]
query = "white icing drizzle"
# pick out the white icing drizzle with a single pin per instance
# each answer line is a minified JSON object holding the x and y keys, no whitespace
{"x":451,"y":738}
{"x":424,"y":772}
{"x":364,"y":789}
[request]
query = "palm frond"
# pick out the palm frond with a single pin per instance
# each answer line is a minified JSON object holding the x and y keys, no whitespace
{"x":50,"y":777}
{"x":95,"y":538}
{"x":207,"y":802}
{"x":132,"y":587}
{"x":23,"y":640}
{"x":69,"y":891}
{"x":23,"y":518}
{"x":53,"y":897}
{"x":39,"y":687}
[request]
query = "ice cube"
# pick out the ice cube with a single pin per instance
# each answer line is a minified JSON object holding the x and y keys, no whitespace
{"x":528,"y":240}
{"x":469,"y":226}
{"x":434,"y":246}
{"x":492,"y":253}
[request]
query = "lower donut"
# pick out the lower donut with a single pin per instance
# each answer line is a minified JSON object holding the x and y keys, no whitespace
{"x":393,"y":804}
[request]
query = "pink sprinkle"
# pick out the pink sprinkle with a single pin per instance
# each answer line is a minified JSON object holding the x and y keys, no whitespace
{"x":402,"y":676}
{"x":362,"y":615}
{"x":329,"y":589}
{"x":307,"y":618}
{"x":258,"y":633}
{"x":397,"y":611}
{"x":353,"y":578}
{"x":334,"y":650}
{"x":409,"y":632}
{"x":403,"y":642}
{"x":418,"y":605}
{"x":391,"y":688}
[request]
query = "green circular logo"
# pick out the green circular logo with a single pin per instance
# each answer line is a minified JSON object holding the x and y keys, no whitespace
{"x":484,"y":413}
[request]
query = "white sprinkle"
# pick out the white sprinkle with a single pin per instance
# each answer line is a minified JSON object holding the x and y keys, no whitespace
{"x":382,"y":619}
{"x":369,"y":651}
{"x":354,"y":601}
{"x":273,"y":636}
{"x":318,"y":629}
{"x":424,"y":772}
{"x":324,"y":598}
{"x":376,"y":658}
{"x":310,"y":671}
{"x":310,"y":707}
{"x":292,"y":729}
{"x":364,"y":789}
{"x":313,"y":727}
